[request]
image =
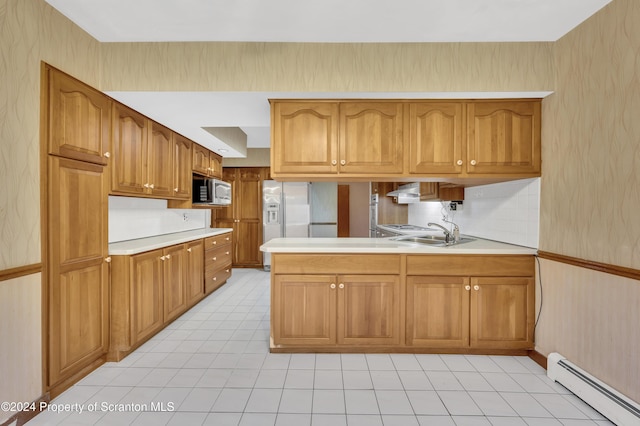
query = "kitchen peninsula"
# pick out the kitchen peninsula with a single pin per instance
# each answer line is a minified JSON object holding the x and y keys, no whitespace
{"x":381,"y":295}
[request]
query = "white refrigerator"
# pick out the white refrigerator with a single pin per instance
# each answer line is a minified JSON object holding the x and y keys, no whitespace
{"x":285,"y":212}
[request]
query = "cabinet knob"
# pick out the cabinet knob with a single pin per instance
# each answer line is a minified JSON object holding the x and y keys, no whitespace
{"x":467,"y":287}
{"x":107,"y":154}
{"x":226,"y":270}
{"x":214,"y":243}
{"x":168,"y":256}
{"x":476,"y":287}
{"x":175,"y":189}
{"x":334,"y":162}
{"x":146,"y":185}
{"x":343,"y":162}
{"x":226,"y":252}
{"x":189,"y":249}
{"x":333,"y":286}
{"x":341,"y":285}
{"x":459,"y":162}
{"x":162,"y":257}
{"x":107,"y":259}
{"x":151,"y":186}
{"x":474,"y":162}
{"x":215,"y":278}
{"x":227,"y":238}
{"x":214,"y":258}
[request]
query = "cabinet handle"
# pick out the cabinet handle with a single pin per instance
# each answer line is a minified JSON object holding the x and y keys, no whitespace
{"x":343,"y":162}
{"x":175,"y":189}
{"x":473,"y":162}
{"x":459,"y":162}
{"x":214,"y":259}
{"x":168,"y":256}
{"x":226,"y":252}
{"x":334,"y":162}
{"x":107,"y":154}
{"x":107,"y":259}
{"x":215,"y":278}
{"x":227,"y":240}
{"x":214,"y":243}
{"x":226,"y":270}
{"x":467,"y":287}
{"x":341,"y":285}
{"x":162,"y":258}
{"x":146,"y":185}
{"x":333,"y":286}
{"x":476,"y":287}
{"x":189,"y":249}
{"x":151,"y":186}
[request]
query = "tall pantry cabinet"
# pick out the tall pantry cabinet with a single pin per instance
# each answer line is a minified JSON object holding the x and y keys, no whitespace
{"x":76,"y":133}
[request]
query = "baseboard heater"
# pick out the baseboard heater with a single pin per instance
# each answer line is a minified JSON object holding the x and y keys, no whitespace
{"x":609,"y":402}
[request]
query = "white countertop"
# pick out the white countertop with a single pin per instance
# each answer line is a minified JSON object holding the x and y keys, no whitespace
{"x":152,"y":243}
{"x":385,"y":245}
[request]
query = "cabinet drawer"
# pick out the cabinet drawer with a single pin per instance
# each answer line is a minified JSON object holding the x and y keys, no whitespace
{"x":214,"y":278}
{"x":217,"y":240}
{"x":471,"y":265}
{"x":218,"y":257}
{"x":336,"y":263}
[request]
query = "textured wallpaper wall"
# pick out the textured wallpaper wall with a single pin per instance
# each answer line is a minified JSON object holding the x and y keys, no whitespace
{"x":328,"y":67}
{"x":30,"y":31}
{"x":591,"y":133}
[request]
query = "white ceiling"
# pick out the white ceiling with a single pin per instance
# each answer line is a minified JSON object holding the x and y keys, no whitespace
{"x":305,"y":21}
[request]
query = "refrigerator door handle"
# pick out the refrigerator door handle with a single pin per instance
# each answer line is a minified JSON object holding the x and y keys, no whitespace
{"x":283,"y":215}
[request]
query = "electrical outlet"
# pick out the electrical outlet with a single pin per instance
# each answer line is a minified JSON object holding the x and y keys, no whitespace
{"x":185,"y":217}
{"x":453,"y":206}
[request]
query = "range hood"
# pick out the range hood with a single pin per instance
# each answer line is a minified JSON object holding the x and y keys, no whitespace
{"x":409,"y":193}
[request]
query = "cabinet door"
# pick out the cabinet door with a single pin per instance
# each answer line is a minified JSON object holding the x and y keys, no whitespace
{"x":195,"y":272}
{"x":502,"y":313}
{"x":435,"y":138}
{"x":80,"y":119}
{"x":146,"y":295}
{"x":248,"y":214}
{"x":503,"y":137}
{"x":304,"y":137}
{"x":182,"y":167}
{"x":174,"y":281}
{"x":78,"y":284}
{"x":437,"y":312}
{"x":304,"y":310}
{"x":371,"y":137}
{"x":130,"y":151}
{"x":201,"y":163}
{"x":161,"y":165}
{"x":216,"y":165}
{"x":369,"y":310}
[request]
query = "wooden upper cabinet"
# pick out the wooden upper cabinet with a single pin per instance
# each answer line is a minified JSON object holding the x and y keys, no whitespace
{"x":503,"y":137}
{"x":216,"y":164}
{"x":201,"y":163}
{"x":79,"y":119}
{"x":371,"y":137}
{"x":130,"y":146}
{"x":435,"y":138}
{"x":304,"y":137}
{"x":182,"y":167}
{"x":161,"y":164}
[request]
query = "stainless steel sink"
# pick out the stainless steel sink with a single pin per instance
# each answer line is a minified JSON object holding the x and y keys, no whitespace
{"x":430,"y":240}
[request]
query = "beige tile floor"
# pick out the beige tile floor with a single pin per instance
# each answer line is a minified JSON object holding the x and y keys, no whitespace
{"x":212,"y":367}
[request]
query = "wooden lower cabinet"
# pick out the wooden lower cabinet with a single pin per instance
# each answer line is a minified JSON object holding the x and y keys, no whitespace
{"x":151,"y":289}
{"x":402,"y":303}
{"x":217,"y":261}
{"x":352,"y":310}
{"x":437,"y":312}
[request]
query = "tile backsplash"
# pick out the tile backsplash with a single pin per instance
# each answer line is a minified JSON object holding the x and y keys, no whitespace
{"x":131,"y":218}
{"x":508,"y":212}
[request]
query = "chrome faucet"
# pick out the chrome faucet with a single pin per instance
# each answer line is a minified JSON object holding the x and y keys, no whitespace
{"x":449,"y":237}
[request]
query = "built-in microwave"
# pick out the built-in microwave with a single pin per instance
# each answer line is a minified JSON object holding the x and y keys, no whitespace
{"x":211,"y":191}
